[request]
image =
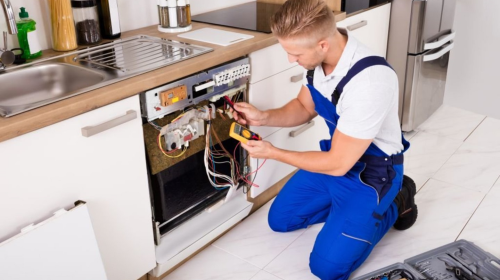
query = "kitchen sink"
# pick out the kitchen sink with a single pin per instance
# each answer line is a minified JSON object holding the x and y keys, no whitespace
{"x":42,"y":84}
{"x":29,"y":86}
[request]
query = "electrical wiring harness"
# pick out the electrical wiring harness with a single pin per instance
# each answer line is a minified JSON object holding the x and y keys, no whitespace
{"x":189,"y":126}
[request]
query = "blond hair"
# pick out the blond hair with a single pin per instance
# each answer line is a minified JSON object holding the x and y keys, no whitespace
{"x":300,"y":18}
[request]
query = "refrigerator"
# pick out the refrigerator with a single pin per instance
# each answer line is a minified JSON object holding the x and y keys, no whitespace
{"x":420,"y":40}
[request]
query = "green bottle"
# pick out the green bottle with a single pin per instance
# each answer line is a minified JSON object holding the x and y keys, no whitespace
{"x":27,"y":35}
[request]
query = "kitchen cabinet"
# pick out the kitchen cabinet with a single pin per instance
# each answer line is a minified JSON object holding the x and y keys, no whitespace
{"x":301,"y":138}
{"x":274,"y":82}
{"x":53,"y":167}
{"x":275,"y":92}
{"x":370,"y":28}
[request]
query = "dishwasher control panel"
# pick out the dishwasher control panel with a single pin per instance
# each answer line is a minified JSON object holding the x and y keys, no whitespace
{"x":209,"y":84}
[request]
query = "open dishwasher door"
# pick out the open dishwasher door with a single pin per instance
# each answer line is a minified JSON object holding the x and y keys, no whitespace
{"x":62,"y":247}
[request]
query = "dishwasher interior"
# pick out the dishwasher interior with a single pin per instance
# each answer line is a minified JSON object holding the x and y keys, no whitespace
{"x":194,"y":166}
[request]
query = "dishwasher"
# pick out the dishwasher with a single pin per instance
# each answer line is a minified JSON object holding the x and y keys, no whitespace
{"x":198,"y":175}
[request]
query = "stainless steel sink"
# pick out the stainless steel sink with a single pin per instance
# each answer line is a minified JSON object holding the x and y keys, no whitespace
{"x":33,"y":85}
{"x":42,"y":84}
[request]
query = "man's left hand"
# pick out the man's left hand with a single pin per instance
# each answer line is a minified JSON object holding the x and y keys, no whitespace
{"x":259,"y":149}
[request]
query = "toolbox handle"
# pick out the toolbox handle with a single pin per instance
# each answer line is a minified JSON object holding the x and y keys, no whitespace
{"x":301,"y":130}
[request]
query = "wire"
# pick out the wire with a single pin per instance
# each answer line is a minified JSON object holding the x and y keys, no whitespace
{"x":229,"y":181}
{"x":245,"y":179}
{"x":167,"y":153}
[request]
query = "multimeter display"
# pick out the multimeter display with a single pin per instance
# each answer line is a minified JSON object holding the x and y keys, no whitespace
{"x":242,"y":134}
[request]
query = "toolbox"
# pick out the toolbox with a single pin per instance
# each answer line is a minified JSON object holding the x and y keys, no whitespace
{"x":460,"y":260}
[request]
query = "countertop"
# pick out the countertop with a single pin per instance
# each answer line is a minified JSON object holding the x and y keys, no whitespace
{"x":74,"y":106}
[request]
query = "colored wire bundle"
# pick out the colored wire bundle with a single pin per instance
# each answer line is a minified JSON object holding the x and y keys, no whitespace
{"x":210,"y":163}
{"x":214,"y":157}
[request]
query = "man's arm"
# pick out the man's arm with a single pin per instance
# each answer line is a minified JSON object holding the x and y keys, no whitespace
{"x":344,"y":153}
{"x":298,"y":111}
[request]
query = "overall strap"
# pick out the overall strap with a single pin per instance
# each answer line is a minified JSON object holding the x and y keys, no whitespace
{"x":310,"y":77}
{"x":359,"y":66}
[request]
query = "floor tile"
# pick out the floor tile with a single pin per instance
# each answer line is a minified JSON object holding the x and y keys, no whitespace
{"x":428,"y":153}
{"x":488,"y":133}
{"x":262,"y":275}
{"x":410,"y":135}
{"x":214,"y":264}
{"x":293,"y":263}
{"x":484,"y":227}
{"x":451,"y":122}
{"x":472,"y":166}
{"x":254,"y":241}
{"x":419,"y":180}
{"x":444,"y":209}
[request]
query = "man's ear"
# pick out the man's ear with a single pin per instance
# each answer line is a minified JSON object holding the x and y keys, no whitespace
{"x":324,"y":45}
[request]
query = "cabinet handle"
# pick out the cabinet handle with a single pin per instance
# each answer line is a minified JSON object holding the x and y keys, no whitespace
{"x":299,"y":131}
{"x":89,"y":131}
{"x":357,"y":25}
{"x":297,"y":78}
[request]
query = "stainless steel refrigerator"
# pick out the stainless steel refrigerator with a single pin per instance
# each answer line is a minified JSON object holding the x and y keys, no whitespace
{"x":420,"y":39}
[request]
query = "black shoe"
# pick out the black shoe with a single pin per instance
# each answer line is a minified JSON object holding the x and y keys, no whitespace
{"x":407,"y":208}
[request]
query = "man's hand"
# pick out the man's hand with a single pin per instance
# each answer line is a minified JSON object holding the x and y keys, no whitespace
{"x":260,"y":149}
{"x":250,"y":114}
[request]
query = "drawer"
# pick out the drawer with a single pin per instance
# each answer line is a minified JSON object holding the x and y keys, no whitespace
{"x":267,"y":62}
{"x":275,"y":92}
{"x":370,"y":28}
{"x":305,"y":140}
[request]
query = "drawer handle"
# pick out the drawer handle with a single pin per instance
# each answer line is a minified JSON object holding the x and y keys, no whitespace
{"x":301,"y":130}
{"x":89,"y":131}
{"x":357,"y":25}
{"x":297,"y":78}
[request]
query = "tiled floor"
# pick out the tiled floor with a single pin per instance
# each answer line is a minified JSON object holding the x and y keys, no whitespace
{"x":455,"y":161}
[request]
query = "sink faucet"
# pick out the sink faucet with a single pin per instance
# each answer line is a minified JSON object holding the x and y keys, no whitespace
{"x":7,"y":57}
{"x":9,"y":16}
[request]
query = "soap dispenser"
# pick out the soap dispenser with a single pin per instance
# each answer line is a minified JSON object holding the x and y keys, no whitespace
{"x":27,"y":36}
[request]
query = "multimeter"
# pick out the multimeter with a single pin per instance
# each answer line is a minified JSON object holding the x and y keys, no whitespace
{"x":242,"y":134}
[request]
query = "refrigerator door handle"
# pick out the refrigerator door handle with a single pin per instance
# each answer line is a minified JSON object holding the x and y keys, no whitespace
{"x":444,"y":40}
{"x":434,"y":56}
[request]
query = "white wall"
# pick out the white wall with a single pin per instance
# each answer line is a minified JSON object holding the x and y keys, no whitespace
{"x":134,"y":14}
{"x":473,"y":78}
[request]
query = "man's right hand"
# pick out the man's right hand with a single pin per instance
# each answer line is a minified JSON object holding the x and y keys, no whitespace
{"x":250,"y":114}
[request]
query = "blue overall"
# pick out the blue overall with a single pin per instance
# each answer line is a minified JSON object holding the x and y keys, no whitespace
{"x":357,"y":208}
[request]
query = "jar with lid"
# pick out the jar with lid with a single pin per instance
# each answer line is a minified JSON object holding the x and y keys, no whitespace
{"x":86,"y":21}
{"x":188,"y":11}
{"x":164,"y":19}
{"x":182,"y":17}
{"x":63,"y":26}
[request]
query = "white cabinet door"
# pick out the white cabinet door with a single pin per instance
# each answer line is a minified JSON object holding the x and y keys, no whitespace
{"x":370,"y":28}
{"x":301,"y":138}
{"x":274,"y":92}
{"x":53,"y":167}
{"x":267,"y":62}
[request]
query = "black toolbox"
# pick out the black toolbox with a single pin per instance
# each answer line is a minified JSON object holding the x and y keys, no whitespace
{"x":460,"y":260}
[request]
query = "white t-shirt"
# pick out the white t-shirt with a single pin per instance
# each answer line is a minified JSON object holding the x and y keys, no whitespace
{"x":368,"y":106}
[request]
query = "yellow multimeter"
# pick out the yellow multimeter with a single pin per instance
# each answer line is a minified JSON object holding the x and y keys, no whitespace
{"x":242,"y":134}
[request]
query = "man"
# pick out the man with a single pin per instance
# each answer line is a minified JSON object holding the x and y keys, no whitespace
{"x":355,"y":184}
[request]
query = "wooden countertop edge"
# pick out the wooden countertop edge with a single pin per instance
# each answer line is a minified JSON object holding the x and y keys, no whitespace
{"x":74,"y":106}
